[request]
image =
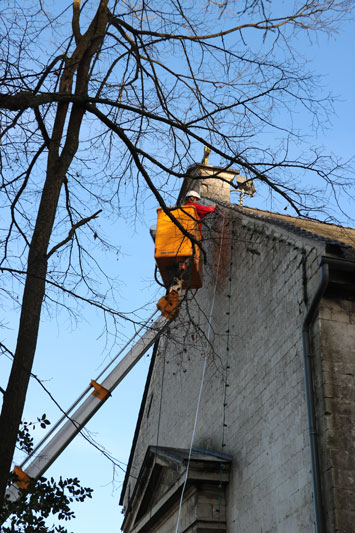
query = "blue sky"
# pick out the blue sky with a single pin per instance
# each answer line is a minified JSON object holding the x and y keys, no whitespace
{"x":71,"y":354}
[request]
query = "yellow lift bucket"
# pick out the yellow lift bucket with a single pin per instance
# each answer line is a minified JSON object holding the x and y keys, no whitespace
{"x":173,"y":247}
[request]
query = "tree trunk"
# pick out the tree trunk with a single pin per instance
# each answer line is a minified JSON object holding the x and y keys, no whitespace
{"x":15,"y":395}
{"x":87,"y":45}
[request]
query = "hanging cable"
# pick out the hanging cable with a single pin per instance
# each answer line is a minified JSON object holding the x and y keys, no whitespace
{"x":228,"y":313}
{"x":67,"y":414}
{"x":156,"y":277}
{"x":202,"y":382}
{"x":227,"y":367}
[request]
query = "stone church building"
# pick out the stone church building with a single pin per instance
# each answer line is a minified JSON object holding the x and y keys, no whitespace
{"x":247,"y":422}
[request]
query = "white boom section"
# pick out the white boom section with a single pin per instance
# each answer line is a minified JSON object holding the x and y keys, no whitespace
{"x":42,"y":459}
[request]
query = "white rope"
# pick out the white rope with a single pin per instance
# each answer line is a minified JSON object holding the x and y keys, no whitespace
{"x":201,"y":386}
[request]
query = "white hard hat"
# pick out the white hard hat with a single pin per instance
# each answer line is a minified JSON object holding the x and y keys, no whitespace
{"x":193,"y":193}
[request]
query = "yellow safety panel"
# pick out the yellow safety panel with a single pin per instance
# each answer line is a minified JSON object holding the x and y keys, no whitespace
{"x":172,"y":246}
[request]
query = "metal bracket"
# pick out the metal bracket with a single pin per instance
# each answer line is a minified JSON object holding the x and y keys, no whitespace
{"x":99,"y":391}
{"x":23,"y":479}
{"x":169,"y":304}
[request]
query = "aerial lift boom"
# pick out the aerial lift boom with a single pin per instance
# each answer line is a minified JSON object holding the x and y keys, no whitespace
{"x":86,"y":406}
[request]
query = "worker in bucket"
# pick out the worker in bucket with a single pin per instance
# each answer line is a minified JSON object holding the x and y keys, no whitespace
{"x":192,"y":198}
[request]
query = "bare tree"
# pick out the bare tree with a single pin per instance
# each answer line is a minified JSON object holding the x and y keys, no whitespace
{"x":109,"y":95}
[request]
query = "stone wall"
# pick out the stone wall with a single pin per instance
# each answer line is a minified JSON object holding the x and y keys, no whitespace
{"x":334,"y":347}
{"x":244,"y":328}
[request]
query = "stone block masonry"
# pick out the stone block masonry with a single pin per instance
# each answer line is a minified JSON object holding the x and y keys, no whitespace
{"x":246,"y":322}
{"x":336,"y":400}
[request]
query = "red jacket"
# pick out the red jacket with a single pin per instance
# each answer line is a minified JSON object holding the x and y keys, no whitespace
{"x":202,"y":210}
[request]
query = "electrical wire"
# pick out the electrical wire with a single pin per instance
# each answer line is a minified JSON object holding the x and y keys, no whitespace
{"x":66,"y":415}
{"x":227,"y":367}
{"x":156,"y":277}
